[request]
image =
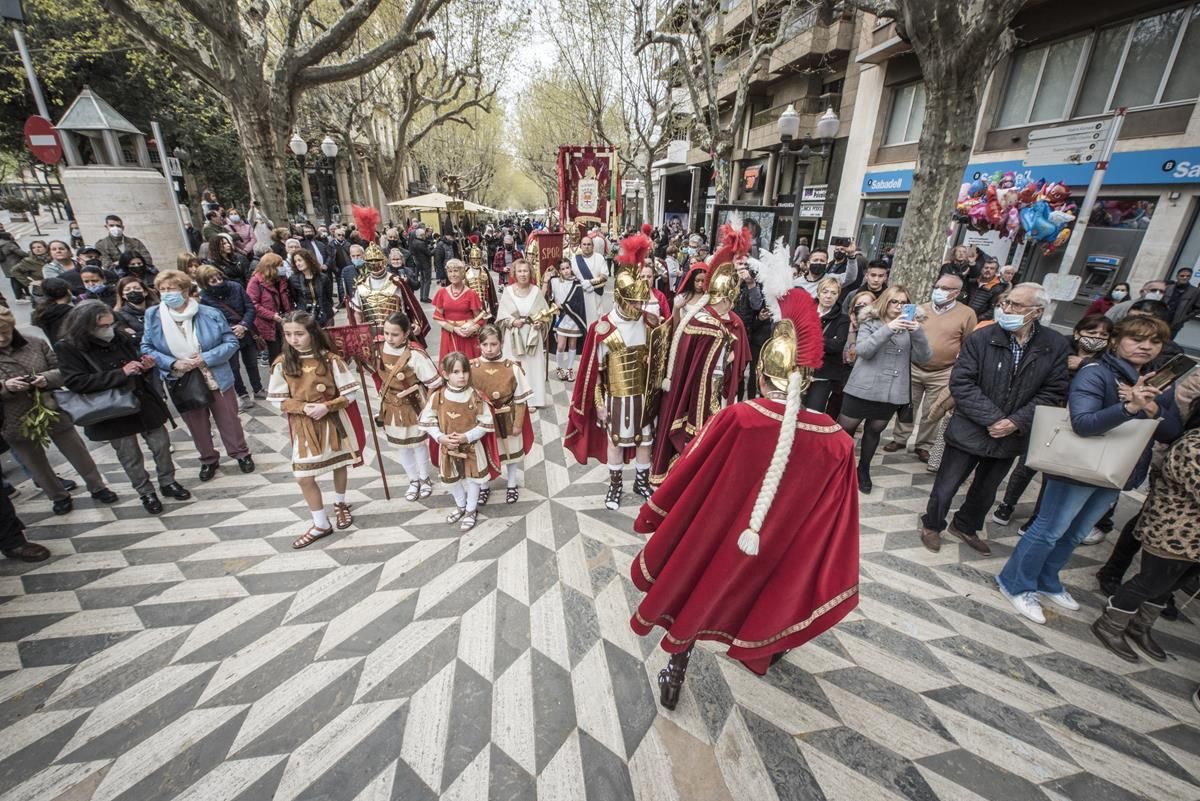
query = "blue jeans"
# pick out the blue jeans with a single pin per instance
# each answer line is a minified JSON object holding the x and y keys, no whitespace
{"x":1067,"y":514}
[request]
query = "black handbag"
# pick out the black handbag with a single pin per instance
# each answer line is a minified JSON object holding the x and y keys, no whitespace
{"x":189,"y":391}
{"x":89,"y":408}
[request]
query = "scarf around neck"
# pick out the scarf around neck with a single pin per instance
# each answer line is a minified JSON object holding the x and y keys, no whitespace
{"x":179,"y":329}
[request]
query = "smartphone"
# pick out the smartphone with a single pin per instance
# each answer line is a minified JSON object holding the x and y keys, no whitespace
{"x":839,"y":241}
{"x":1177,"y":367}
{"x":908,"y":312}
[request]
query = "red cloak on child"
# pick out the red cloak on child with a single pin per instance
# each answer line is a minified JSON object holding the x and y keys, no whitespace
{"x":700,"y":586}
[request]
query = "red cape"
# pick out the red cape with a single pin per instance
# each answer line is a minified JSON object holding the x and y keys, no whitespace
{"x":699,"y":585}
{"x":689,"y":403}
{"x":585,"y":438}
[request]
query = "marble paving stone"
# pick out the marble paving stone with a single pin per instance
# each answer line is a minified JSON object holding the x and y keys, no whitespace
{"x":196,"y":656}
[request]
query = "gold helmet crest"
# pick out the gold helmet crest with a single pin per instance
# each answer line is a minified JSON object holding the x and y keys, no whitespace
{"x":373,"y":253}
{"x":724,"y":284}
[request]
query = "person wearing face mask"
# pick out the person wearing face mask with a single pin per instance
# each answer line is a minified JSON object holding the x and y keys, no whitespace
{"x":94,"y":356}
{"x":947,"y":324}
{"x":1151,"y":290}
{"x":1118,"y":294}
{"x":76,"y":237}
{"x":849,"y":266}
{"x":27,"y":365}
{"x":1090,"y":338}
{"x":354,"y":269}
{"x":244,"y":239}
{"x":1107,"y":391}
{"x":1003,"y":372}
{"x":183,"y":335}
{"x":28,"y":270}
{"x":131,"y":264}
{"x":230,"y":299}
{"x":132,"y":300}
{"x":112,"y":246}
{"x":96,"y":287}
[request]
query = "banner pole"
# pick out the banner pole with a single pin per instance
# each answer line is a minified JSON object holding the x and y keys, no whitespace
{"x":362,"y":379}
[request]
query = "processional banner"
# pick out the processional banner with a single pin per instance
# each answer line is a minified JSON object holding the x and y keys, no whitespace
{"x":587,"y":177}
{"x":544,"y":251}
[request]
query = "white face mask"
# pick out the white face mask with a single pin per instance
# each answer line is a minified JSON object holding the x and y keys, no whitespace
{"x":1154,"y":295}
{"x":114,"y":231}
{"x":1120,"y":295}
{"x":941,"y":296}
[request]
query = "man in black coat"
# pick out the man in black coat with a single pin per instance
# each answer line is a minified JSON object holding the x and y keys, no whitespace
{"x":1003,"y":373}
{"x":422,"y":260}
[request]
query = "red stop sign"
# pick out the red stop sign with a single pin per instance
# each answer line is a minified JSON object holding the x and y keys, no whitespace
{"x":42,"y":140}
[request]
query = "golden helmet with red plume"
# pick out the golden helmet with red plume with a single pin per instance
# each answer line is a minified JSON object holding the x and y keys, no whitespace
{"x":723,"y":282}
{"x":630,"y":290}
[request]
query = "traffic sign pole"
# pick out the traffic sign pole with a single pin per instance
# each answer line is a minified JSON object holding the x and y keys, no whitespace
{"x":161,"y":145}
{"x":34,"y":86}
{"x":1089,"y":198}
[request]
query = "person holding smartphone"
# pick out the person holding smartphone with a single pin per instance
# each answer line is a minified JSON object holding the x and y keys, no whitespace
{"x":889,"y":340}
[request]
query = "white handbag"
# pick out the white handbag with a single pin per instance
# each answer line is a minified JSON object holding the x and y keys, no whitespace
{"x":1101,"y":461}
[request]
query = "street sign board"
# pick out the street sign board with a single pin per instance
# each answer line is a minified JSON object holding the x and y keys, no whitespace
{"x":1080,"y":143}
{"x":42,"y":140}
{"x":174,"y":168}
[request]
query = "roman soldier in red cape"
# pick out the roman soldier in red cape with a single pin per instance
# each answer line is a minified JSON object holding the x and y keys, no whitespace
{"x":709,"y":352}
{"x":378,"y":295}
{"x":478,"y":279}
{"x":754,"y":534}
{"x":615,"y":402}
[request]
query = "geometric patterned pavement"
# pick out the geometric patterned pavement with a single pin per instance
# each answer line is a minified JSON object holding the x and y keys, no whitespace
{"x":196,"y":656}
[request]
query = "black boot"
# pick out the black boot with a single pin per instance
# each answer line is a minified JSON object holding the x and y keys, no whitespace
{"x":641,"y":483}
{"x":670,"y":679}
{"x":1139,"y":631}
{"x":864,"y":479}
{"x":1110,"y":630}
{"x":612,"y":500}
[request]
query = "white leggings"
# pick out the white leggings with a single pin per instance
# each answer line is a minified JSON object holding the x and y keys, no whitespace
{"x":565,"y":360}
{"x":415,"y":462}
{"x":466,"y":494}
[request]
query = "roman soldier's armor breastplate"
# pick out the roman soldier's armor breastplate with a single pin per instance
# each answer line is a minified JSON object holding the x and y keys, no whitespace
{"x":478,"y":280}
{"x":378,"y":304}
{"x":627,"y":368}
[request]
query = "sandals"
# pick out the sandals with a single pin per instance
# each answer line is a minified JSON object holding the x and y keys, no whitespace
{"x":341,"y":515}
{"x":413,"y":492}
{"x":571,"y":374}
{"x":456,"y":515}
{"x":561,"y":373}
{"x":484,"y":494}
{"x":512,"y":495}
{"x":468,"y":521}
{"x":309,"y":537}
{"x":426,"y":488}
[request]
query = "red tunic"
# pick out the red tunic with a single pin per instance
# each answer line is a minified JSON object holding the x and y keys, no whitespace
{"x":691,"y":402}
{"x":699,"y":585}
{"x":447,"y":308}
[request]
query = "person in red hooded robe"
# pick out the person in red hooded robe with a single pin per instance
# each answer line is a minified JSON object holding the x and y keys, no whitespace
{"x":763,"y":570}
{"x":709,"y":352}
{"x":615,"y":401}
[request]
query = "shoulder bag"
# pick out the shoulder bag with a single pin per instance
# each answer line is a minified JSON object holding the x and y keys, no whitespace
{"x":89,"y":408}
{"x":1103,"y":461}
{"x":189,"y":391}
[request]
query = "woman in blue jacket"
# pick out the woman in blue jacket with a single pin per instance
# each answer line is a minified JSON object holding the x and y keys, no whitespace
{"x":181,"y":336}
{"x":1104,"y":393}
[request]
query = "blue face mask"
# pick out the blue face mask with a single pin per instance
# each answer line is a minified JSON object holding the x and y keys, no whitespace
{"x":1010,"y":322}
{"x":173,"y":299}
{"x":96,"y":289}
{"x":358,"y":262}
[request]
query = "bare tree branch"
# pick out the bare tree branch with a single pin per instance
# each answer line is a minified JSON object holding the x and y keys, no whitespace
{"x":153,"y":35}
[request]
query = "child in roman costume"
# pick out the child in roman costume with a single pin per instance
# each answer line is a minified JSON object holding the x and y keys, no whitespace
{"x":567,"y":292}
{"x":503,"y":384}
{"x":312,"y":385}
{"x":406,"y":376}
{"x":458,"y":421}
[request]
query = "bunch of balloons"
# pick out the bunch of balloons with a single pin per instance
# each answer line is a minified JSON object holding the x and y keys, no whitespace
{"x":1018,"y":207}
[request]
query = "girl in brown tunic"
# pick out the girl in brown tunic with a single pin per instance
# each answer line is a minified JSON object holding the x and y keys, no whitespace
{"x":503,"y":384}
{"x":458,"y":418}
{"x":313,"y":386}
{"x":406,"y":375}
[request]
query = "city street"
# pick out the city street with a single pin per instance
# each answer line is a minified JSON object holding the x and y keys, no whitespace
{"x":195,"y":655}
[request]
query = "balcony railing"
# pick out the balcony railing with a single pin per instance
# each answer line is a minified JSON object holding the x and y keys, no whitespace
{"x":809,"y":104}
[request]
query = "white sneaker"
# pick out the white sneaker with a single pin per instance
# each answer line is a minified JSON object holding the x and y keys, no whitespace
{"x":1026,"y":604}
{"x":246,"y":403}
{"x":1062,"y":600}
{"x":1094,"y":537}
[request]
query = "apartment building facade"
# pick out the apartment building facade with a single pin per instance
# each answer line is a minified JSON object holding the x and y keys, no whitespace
{"x":1077,"y":62}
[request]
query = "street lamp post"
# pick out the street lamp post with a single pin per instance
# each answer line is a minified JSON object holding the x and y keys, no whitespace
{"x":299,"y":149}
{"x":789,"y":132}
{"x":329,"y":149}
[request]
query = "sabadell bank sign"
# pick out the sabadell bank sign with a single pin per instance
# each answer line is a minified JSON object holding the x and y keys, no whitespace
{"x":1179,"y":165}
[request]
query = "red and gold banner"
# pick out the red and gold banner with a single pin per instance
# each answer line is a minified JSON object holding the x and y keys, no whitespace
{"x":352,"y":342}
{"x":544,"y":251}
{"x":587,"y":175}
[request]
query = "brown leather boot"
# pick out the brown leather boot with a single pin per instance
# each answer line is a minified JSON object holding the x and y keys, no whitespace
{"x":1110,"y":630}
{"x":1139,"y":631}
